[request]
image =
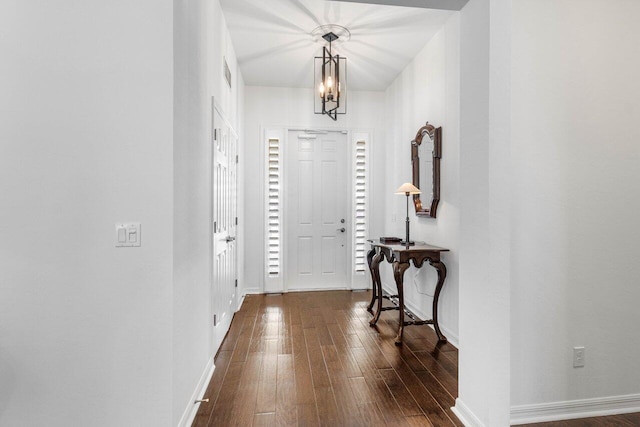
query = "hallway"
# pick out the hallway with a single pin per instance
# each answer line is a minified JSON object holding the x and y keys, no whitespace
{"x":116,"y":270}
{"x":311,"y":359}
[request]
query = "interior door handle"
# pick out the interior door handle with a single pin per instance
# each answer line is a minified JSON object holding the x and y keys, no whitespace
{"x":229,"y":239}
{"x":342,"y":230}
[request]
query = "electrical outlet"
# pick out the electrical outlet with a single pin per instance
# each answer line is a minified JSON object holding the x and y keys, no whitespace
{"x":578,"y":357}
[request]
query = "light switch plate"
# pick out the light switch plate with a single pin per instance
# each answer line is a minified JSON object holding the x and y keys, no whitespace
{"x":578,"y":357}
{"x":128,"y":234}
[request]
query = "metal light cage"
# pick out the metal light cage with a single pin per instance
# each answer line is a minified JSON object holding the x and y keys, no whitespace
{"x":328,"y":65}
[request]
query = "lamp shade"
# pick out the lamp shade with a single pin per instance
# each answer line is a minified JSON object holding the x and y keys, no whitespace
{"x":408,"y":188}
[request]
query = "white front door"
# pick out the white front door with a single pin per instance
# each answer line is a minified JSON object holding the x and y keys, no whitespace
{"x":224,"y":195}
{"x":317,"y":210}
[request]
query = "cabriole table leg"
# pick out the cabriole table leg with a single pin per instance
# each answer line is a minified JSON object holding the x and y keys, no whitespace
{"x":374,"y":289}
{"x":375,"y":274}
{"x":398,"y":274}
{"x":442,"y":274}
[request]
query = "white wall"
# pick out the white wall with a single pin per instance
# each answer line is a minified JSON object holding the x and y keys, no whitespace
{"x":549,"y":148}
{"x":427,"y":89}
{"x":91,"y":334}
{"x":576,"y":198}
{"x":485,"y":214}
{"x":191,"y":302}
{"x":86,"y":141}
{"x":201,"y":42}
{"x":269,"y":106}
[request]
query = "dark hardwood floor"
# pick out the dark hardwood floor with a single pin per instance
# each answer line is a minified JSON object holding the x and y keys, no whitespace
{"x":626,"y":420}
{"x":311,"y":359}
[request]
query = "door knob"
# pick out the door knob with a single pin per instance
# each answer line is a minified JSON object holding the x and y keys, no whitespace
{"x":229,"y":239}
{"x":342,"y":230}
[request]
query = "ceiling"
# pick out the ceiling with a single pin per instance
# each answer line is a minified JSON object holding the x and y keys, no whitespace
{"x":274,"y":46}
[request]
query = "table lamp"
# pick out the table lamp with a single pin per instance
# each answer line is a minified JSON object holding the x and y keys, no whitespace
{"x":407,"y":189}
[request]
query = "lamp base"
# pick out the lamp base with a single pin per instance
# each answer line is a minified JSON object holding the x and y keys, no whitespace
{"x":409,"y":243}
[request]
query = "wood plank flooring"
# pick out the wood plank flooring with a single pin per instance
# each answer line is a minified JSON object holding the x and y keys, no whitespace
{"x":311,"y":359}
{"x":625,"y":420}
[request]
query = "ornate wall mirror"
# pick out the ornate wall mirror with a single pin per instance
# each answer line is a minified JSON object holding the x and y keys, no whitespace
{"x":426,"y":152}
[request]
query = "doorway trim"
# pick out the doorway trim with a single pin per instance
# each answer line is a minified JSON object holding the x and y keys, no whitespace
{"x":277,"y":283}
{"x":221,"y":321}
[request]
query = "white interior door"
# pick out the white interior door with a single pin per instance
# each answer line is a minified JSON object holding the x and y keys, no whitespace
{"x":317,"y":223}
{"x":224,"y":198}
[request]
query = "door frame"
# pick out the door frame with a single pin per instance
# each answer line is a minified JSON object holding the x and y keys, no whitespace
{"x":354,"y":280}
{"x":217,"y":340}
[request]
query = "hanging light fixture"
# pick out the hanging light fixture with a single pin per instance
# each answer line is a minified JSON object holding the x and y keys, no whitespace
{"x":330,"y":80}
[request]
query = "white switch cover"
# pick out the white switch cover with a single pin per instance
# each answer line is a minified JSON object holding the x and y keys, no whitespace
{"x":578,"y":357}
{"x":128,"y":234}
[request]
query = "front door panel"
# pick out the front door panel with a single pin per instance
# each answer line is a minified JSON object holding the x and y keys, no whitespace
{"x":317,"y":216}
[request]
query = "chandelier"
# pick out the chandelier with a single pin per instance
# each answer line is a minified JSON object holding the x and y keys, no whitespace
{"x":330,"y":77}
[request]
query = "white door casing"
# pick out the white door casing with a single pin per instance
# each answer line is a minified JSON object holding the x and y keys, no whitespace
{"x":317,"y":214}
{"x":224,"y":225}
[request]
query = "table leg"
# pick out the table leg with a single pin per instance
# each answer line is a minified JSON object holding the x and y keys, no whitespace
{"x":398,"y":274}
{"x":375,"y":275}
{"x":442,"y":273}
{"x":374,"y":293}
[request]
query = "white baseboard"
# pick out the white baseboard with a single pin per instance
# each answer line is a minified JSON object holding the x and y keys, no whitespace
{"x":250,"y":291}
{"x":191,"y":410}
{"x":451,"y":337}
{"x":256,"y":291}
{"x":243,"y":295}
{"x":465,"y":415}
{"x":583,"y":408}
{"x":329,"y":288}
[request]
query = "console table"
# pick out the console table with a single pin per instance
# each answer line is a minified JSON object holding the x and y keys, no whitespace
{"x":400,"y":256}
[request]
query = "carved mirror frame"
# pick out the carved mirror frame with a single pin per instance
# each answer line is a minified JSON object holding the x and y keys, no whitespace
{"x":429,"y":208}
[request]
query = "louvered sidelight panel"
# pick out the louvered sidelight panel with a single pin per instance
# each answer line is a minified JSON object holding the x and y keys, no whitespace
{"x":361,"y":197}
{"x":274,"y":224}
